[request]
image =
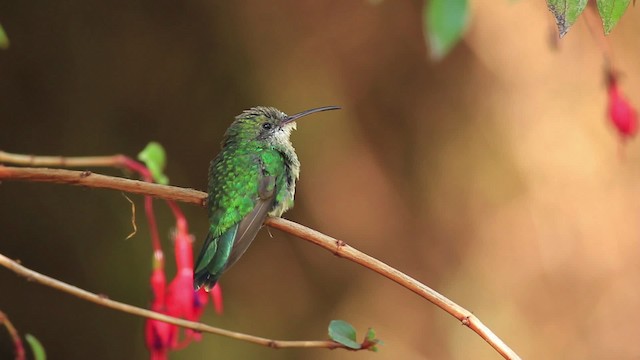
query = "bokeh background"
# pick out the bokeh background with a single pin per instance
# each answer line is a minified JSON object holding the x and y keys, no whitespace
{"x":492,"y":176}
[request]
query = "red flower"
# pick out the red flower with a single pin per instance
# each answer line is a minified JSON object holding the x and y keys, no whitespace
{"x":621,"y":113}
{"x":181,"y":297}
{"x":182,"y":300}
{"x":159,"y":335}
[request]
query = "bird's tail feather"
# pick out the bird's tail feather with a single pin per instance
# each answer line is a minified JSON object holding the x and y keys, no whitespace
{"x":204,"y":278}
{"x":213,"y":259}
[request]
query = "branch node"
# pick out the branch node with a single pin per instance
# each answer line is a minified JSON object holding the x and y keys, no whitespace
{"x":338,"y":251}
{"x":85,"y":174}
{"x":272,"y":344}
{"x":466,"y":321}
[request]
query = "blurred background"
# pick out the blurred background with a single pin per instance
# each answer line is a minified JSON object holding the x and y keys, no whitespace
{"x":493,"y":176}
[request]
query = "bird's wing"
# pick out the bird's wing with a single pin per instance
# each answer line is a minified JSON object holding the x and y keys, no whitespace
{"x":227,"y":241}
{"x":250,"y":225}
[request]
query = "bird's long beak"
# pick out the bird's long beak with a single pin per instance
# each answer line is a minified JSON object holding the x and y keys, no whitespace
{"x":297,"y":116}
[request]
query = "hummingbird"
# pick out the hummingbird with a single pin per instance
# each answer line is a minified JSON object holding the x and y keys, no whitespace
{"x":253,"y":176}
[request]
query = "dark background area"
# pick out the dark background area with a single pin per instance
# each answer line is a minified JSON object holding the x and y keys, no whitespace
{"x":492,"y":176}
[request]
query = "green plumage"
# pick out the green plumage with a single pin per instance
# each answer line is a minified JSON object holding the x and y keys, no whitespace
{"x":253,"y":176}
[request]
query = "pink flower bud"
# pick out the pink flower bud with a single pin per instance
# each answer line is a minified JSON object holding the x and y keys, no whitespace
{"x":621,"y":113}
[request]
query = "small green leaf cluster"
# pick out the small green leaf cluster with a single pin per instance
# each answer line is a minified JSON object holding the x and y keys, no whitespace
{"x":344,"y":333}
{"x":566,"y":12}
{"x":445,"y":21}
{"x":155,"y":159}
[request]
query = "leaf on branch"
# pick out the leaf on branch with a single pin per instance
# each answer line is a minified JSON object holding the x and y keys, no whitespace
{"x":444,"y":23}
{"x":566,"y":12}
{"x":133,"y":217}
{"x":370,"y":342}
{"x":611,"y":11}
{"x":154,"y":157}
{"x":4,"y":39}
{"x":343,"y":333}
{"x":36,"y":347}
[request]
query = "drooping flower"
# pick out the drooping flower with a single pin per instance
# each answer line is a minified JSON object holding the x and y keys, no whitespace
{"x":182,"y":300}
{"x":179,"y":299}
{"x":621,"y":114}
{"x":159,"y":335}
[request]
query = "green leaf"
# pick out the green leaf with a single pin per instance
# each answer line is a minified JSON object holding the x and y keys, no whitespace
{"x":36,"y":347}
{"x":444,"y":23}
{"x":371,"y":335}
{"x":342,"y":332}
{"x":611,"y":11}
{"x":566,"y":12}
{"x":4,"y":39}
{"x":370,"y":338}
{"x":153,"y":156}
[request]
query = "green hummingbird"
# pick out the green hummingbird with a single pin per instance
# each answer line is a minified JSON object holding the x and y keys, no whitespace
{"x":253,"y":176}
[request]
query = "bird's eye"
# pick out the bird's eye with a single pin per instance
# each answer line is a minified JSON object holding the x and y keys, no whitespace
{"x":267,"y":126}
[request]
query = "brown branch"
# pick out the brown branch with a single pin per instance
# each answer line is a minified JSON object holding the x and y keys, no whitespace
{"x":134,"y":310}
{"x":89,"y":179}
{"x":335,"y":246}
{"x":341,"y":249}
{"x":63,"y":161}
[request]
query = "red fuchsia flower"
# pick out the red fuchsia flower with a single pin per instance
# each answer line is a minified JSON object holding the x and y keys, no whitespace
{"x":179,"y":299}
{"x":182,"y":300}
{"x":202,"y":297}
{"x":159,"y":335}
{"x":621,"y":113}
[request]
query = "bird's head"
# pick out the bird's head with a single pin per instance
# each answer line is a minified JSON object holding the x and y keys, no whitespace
{"x":266,"y":124}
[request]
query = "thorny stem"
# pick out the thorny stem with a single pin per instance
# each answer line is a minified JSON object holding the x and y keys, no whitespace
{"x":17,"y":342}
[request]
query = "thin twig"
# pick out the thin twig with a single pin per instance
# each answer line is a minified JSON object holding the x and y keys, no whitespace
{"x":134,"y":310}
{"x":594,"y":25}
{"x":335,"y":246}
